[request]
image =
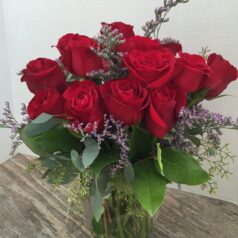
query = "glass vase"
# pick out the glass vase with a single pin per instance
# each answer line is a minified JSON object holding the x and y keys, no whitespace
{"x":123,"y":217}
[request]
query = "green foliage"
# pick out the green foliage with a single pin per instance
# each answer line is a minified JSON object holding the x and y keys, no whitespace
{"x":104,"y":158}
{"x":77,"y":160}
{"x":90,"y":152}
{"x":148,"y":186}
{"x":195,"y":98}
{"x":42,"y":118}
{"x":79,"y":192}
{"x":52,"y":140}
{"x":97,"y":203}
{"x":129,"y":173}
{"x":159,"y":159}
{"x":140,"y":143}
{"x":182,"y":168}
{"x":58,"y":171}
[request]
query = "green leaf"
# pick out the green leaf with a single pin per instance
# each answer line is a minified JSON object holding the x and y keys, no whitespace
{"x":102,"y":182}
{"x":220,"y":96}
{"x":35,"y":129}
{"x":196,"y":141}
{"x":90,"y":152}
{"x":98,"y":227}
{"x":55,"y":139}
{"x":77,"y":160}
{"x":194,"y":131}
{"x":197,"y":97}
{"x":140,"y":144}
{"x":159,"y":159}
{"x":148,"y":186}
{"x":182,"y":168}
{"x":129,"y":173}
{"x":104,"y":158}
{"x":42,"y":118}
{"x":97,"y":203}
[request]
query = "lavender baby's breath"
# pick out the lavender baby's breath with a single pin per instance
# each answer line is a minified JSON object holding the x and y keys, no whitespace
{"x":114,"y":130}
{"x":8,"y":121}
{"x":200,"y":124}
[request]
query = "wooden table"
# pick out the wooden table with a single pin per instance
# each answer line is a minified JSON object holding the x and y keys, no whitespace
{"x":31,"y":208}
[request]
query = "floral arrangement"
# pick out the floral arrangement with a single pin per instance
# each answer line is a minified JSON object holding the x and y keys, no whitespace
{"x":119,"y":117}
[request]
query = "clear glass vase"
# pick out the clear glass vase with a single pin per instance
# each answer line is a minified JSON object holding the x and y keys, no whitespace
{"x":122,"y":218}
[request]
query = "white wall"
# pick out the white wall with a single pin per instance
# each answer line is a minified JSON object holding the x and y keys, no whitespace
{"x":5,"y":88}
{"x":33,"y":26}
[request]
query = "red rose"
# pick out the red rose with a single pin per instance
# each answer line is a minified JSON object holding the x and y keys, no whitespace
{"x":125,"y":99}
{"x":125,"y":29}
{"x":191,"y":72}
{"x":222,"y":73}
{"x":77,"y":55}
{"x":84,"y":104}
{"x":139,"y":43}
{"x":164,"y":109}
{"x":172,"y":46}
{"x":43,"y":73}
{"x":46,"y":101}
{"x":153,"y":68}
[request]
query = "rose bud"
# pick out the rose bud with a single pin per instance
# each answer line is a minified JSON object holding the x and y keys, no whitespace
{"x":139,"y":43}
{"x":42,"y":74}
{"x":222,"y":73}
{"x":125,"y":29}
{"x":125,"y":100}
{"x":77,"y":55}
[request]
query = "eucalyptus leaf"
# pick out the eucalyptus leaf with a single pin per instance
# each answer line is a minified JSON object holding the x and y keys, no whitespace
{"x":90,"y":152}
{"x":77,"y":160}
{"x":97,"y":204}
{"x":148,"y":186}
{"x":182,"y":168}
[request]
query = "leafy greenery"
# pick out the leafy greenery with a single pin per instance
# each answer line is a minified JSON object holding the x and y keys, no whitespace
{"x":182,"y":168}
{"x":140,"y":143}
{"x":54,"y":139}
{"x":104,"y":158}
{"x":77,"y":160}
{"x":129,"y":173}
{"x":197,"y":97}
{"x":148,"y":186}
{"x":90,"y":152}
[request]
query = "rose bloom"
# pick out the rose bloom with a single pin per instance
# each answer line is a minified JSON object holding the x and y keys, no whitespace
{"x":77,"y":55}
{"x":163,"y":110}
{"x":84,"y":104}
{"x":43,"y":73}
{"x":125,"y":100}
{"x":139,"y":43}
{"x":172,"y":46}
{"x":153,"y":68}
{"x":125,"y":29}
{"x":46,"y":101}
{"x":222,"y":73}
{"x":191,"y":72}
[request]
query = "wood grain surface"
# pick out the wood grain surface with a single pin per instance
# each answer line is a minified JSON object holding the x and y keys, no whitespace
{"x":31,"y":208}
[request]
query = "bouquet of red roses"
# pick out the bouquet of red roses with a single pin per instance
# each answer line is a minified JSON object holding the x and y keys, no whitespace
{"x":118,"y":117}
